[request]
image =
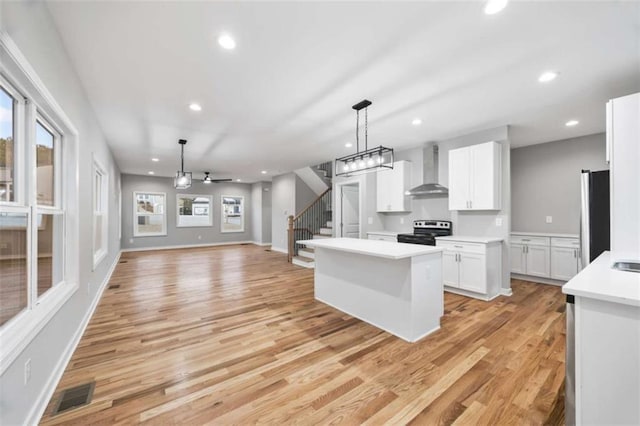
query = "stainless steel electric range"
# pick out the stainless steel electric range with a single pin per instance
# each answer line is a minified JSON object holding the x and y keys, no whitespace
{"x":426,"y":231}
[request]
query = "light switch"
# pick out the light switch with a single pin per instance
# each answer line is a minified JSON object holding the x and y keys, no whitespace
{"x":370,"y":220}
{"x":498,"y":221}
{"x":402,"y":221}
{"x":549,"y":219}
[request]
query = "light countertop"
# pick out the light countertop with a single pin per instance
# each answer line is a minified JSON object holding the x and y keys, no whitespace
{"x":599,"y":281}
{"x":386,"y":249}
{"x":388,"y":233}
{"x":466,"y":239}
{"x":545,"y":234}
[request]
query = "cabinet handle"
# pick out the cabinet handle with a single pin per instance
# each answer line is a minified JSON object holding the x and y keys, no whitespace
{"x":470,"y":204}
{"x":458,"y":247}
{"x":525,"y":239}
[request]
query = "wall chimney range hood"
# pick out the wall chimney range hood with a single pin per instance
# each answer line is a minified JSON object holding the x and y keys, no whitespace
{"x":430,"y":187}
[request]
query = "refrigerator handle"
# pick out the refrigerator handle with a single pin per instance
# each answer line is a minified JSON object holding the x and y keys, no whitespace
{"x":584,"y":218}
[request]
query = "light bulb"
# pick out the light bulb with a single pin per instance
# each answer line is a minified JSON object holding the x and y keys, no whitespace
{"x":361,"y":164}
{"x":370,"y":162}
{"x":380,"y":159}
{"x":345,"y":167}
{"x":182,"y":180}
{"x":354,"y":166}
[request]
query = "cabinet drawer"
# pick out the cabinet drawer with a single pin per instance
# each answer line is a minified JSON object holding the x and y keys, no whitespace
{"x":382,"y":237}
{"x":462,"y":247}
{"x":531,"y":241}
{"x":565,"y":242}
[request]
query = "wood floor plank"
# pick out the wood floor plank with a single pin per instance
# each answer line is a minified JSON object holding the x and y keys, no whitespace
{"x":233,"y":335}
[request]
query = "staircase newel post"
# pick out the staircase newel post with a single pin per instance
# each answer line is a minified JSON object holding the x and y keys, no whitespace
{"x":290,"y":238}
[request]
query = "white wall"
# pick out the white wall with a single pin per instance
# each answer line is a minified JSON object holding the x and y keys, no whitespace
{"x":31,"y":28}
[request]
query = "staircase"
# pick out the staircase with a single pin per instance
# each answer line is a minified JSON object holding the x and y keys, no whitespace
{"x":315,"y":221}
{"x":306,"y":255}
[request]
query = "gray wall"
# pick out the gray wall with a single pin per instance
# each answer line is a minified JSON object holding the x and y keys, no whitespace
{"x":304,"y":195}
{"x":266,"y":212}
{"x":261,"y":212}
{"x":31,"y":28}
{"x":545,"y":181}
{"x":183,"y":236}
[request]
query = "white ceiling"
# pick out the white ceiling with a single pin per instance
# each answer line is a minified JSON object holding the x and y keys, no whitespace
{"x":282,"y":99}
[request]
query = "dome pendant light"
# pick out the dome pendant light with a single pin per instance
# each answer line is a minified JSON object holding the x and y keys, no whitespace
{"x":182,"y":179}
{"x":368,"y":160}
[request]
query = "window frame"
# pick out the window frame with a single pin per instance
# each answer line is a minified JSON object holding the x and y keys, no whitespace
{"x":136,"y":215}
{"x":100,"y":253}
{"x":223,"y":215}
{"x":17,"y":75}
{"x":47,"y":123}
{"x":210,"y":214}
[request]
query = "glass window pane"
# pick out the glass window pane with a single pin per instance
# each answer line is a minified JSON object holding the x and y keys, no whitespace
{"x":150,"y":203}
{"x":49,"y":251}
{"x":151,"y":224}
{"x":44,"y":163}
{"x":7,"y":171}
{"x":97,"y":231}
{"x":194,"y":210}
{"x":13,"y":265}
{"x":232,"y":214}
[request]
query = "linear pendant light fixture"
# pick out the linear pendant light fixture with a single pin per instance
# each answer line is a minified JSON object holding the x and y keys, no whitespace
{"x":182,"y":179}
{"x":368,"y":160}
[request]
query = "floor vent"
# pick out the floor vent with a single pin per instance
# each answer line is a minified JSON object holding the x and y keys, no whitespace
{"x":267,"y":249}
{"x":123,"y":261}
{"x":75,"y":397}
{"x":114,"y":286}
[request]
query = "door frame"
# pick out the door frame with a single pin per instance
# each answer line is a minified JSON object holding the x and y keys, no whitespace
{"x":355,"y":180}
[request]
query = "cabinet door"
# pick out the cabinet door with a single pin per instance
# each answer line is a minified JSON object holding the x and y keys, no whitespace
{"x":383,"y":201}
{"x":538,"y":258}
{"x":564,"y":263}
{"x":473,"y":272}
{"x":459,"y":196}
{"x":450,"y":268}
{"x":485,"y":172}
{"x":391,"y":186}
{"x":517,"y":259}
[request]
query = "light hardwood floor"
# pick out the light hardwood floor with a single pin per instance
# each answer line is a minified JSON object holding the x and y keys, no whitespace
{"x":233,"y":335}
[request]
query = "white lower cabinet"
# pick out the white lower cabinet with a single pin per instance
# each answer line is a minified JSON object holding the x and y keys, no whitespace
{"x":382,"y":237}
{"x":545,"y":256}
{"x":471,"y":269}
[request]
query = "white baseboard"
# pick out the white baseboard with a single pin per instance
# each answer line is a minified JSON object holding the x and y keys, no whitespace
{"x":539,"y":280}
{"x":262,"y":244}
{"x":47,"y":392}
{"x":506,"y":292}
{"x":184,"y":246}
{"x":279,"y":250}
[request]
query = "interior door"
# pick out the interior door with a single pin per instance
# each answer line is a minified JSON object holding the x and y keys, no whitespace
{"x":350,"y":220}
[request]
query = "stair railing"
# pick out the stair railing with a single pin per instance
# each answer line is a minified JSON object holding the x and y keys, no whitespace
{"x":326,"y":168}
{"x":308,"y":222}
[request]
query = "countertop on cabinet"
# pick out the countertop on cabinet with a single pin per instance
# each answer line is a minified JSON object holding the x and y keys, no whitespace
{"x":599,"y":281}
{"x":386,"y":249}
{"x":469,"y":239}
{"x":545,"y":234}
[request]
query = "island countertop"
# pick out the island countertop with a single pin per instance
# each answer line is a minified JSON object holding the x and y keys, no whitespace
{"x":386,"y":249}
{"x":599,"y":281}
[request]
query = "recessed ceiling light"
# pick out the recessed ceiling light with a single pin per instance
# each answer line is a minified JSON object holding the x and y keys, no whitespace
{"x":264,"y":172}
{"x":547,"y":76}
{"x":227,"y":42}
{"x":238,"y":180}
{"x":494,"y":6}
{"x":416,"y":122}
{"x":572,"y":123}
{"x":195,"y":107}
{"x":150,"y":172}
{"x":348,"y":144}
{"x":155,"y":160}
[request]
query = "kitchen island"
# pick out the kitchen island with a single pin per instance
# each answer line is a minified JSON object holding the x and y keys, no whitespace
{"x":393,"y":286}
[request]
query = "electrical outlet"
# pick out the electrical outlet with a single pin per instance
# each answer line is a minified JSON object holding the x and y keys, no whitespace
{"x":199,"y":237}
{"x":370,"y":220}
{"x":498,"y":221}
{"x":130,"y":240}
{"x":27,"y":371}
{"x":549,"y":219}
{"x":402,"y":221}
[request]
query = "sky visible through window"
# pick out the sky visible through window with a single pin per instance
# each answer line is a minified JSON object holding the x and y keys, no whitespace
{"x":6,"y":115}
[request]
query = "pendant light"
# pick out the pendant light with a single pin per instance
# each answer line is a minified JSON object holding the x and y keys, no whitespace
{"x":182,"y":179}
{"x":368,"y":160}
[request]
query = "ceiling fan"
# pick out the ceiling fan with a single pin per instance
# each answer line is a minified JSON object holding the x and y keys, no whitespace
{"x":207,"y":179}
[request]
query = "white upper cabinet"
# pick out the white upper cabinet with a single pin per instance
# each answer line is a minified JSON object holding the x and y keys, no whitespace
{"x":475,"y":177}
{"x":391,"y":186}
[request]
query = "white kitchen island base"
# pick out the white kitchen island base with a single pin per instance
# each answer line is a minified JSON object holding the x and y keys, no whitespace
{"x":395,"y":287}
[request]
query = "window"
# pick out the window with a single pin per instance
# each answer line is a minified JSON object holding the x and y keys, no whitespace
{"x":46,"y":150}
{"x":194,"y":210}
{"x":232,"y":214}
{"x":149,"y":214}
{"x":100,"y":223}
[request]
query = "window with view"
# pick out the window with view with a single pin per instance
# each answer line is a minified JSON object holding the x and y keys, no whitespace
{"x":100,"y":191}
{"x":149,"y":214}
{"x":7,"y":170}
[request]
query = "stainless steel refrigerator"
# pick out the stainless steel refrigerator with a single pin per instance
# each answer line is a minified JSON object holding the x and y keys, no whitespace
{"x":594,"y":239}
{"x":594,"y":215}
